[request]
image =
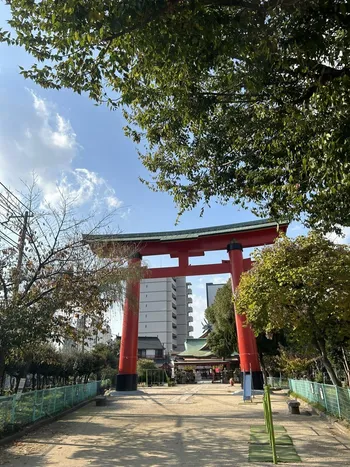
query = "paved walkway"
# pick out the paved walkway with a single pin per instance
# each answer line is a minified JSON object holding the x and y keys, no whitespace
{"x":198,"y":425}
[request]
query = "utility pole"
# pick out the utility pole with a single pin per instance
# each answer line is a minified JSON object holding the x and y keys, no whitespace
{"x":21,"y":244}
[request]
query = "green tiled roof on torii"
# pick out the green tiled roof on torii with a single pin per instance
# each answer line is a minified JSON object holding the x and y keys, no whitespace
{"x":184,"y":234}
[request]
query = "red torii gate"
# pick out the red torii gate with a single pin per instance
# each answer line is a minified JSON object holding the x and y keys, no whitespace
{"x":182,"y":245}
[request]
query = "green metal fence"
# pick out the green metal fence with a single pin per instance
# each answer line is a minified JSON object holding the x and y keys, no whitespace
{"x":276,"y":382}
{"x":22,"y":409}
{"x":335,"y":400}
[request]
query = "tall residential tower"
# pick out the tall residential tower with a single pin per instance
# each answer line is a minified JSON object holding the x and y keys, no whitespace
{"x":165,"y":311}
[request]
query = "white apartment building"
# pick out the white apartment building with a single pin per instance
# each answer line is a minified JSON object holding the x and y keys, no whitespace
{"x":165,"y":311}
{"x":89,"y":338}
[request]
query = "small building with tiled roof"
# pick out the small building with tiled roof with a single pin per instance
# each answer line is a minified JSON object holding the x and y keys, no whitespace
{"x":198,"y":355}
{"x":151,"y":348}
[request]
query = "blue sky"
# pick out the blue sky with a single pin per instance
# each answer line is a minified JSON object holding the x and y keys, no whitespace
{"x":68,"y":141}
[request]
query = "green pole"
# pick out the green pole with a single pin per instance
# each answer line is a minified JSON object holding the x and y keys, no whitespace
{"x":272,"y":433}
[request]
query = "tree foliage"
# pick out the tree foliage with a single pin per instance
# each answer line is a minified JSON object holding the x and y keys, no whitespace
{"x":48,"y":366}
{"x":241,"y":100}
{"x":59,"y":277}
{"x":302,"y":286}
{"x":144,"y":364}
{"x":109,"y":353}
{"x":294,"y":365}
{"x":222,"y":340}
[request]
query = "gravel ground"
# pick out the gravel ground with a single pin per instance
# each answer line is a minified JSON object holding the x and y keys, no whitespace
{"x":192,"y":425}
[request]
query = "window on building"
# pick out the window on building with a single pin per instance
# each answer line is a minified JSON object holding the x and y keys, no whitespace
{"x":145,"y":325}
{"x":159,"y":353}
{"x":141,"y":353}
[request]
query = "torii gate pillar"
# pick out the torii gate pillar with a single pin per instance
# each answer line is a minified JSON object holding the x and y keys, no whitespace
{"x":127,"y":375}
{"x":247,"y":348}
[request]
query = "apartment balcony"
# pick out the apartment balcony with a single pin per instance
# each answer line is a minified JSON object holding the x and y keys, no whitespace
{"x":174,"y":315}
{"x":189,"y":291}
{"x":189,"y":309}
{"x":174,"y":306}
{"x":173,"y":286}
{"x":189,"y":300}
{"x":188,"y":284}
{"x":174,"y":296}
{"x":190,"y":319}
{"x":174,"y":325}
{"x":174,"y":336}
{"x":190,"y":328}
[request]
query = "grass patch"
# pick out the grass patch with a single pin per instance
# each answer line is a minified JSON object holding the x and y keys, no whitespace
{"x":262,"y":453}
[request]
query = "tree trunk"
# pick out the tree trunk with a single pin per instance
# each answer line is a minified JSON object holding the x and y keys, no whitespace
{"x":327,"y":364}
{"x":12,"y":384}
{"x":346,"y":366}
{"x":18,"y":380}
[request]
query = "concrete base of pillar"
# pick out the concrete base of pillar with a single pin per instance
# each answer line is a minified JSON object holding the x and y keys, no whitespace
{"x":126,"y":382}
{"x":258,"y":380}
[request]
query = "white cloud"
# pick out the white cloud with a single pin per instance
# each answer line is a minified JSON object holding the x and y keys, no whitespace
{"x":125,"y":214}
{"x":39,"y":105}
{"x":341,"y":239}
{"x":37,"y":139}
{"x":113,"y":202}
{"x":217,"y":279}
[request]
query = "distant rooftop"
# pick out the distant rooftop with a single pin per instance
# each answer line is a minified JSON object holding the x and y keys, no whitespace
{"x":184,"y":234}
{"x":198,"y":348}
{"x":148,"y":343}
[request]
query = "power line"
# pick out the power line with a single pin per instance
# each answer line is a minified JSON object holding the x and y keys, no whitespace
{"x":8,"y":240}
{"x":8,"y":228}
{"x":7,"y":207}
{"x":8,"y":203}
{"x":12,"y":194}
